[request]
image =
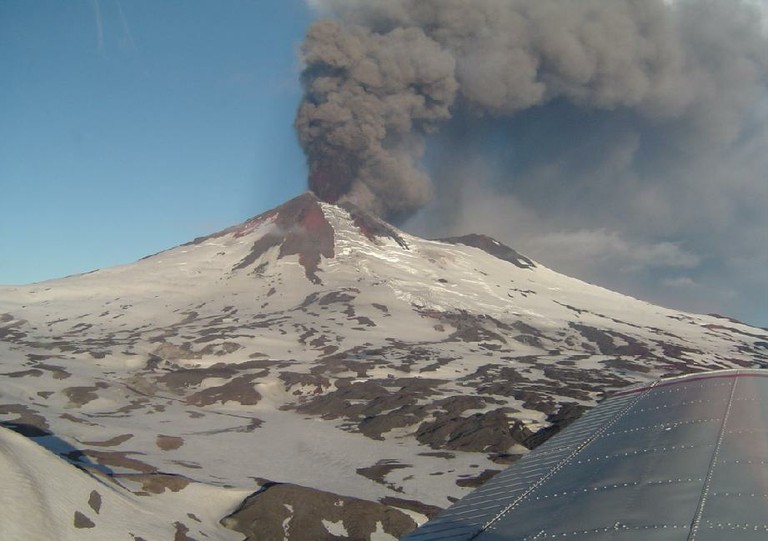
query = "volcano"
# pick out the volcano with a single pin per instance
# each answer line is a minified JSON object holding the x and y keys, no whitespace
{"x":311,"y":373}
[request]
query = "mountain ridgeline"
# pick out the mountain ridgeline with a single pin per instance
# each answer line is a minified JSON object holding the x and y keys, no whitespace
{"x":311,"y":354}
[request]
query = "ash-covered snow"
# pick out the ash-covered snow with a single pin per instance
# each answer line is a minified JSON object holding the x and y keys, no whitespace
{"x":179,"y":384}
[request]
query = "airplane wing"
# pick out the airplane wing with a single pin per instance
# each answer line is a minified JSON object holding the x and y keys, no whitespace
{"x":681,"y":459}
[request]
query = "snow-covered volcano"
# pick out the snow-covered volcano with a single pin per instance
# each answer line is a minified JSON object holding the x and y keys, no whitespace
{"x":360,"y":376}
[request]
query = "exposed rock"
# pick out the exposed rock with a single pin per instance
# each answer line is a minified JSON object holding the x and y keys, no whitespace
{"x":239,"y":389}
{"x":114,"y":459}
{"x":484,"y":432}
{"x":168,"y":443}
{"x":295,"y":379}
{"x":80,"y":396}
{"x":341,"y":297}
{"x":375,"y":426}
{"x":81,"y":521}
{"x":300,"y":228}
{"x":28,"y":422}
{"x":373,"y":228}
{"x":181,"y":532}
{"x":94,"y":501}
{"x":379,"y":471}
{"x":221,"y":346}
{"x":111,"y":442}
{"x":428,"y":511}
{"x":494,"y":248}
{"x":157,"y":483}
{"x":32,"y":372}
{"x":567,"y":414}
{"x":478,"y":480}
{"x":504,"y":459}
{"x":285,"y":512}
{"x":606,"y":344}
{"x":57,"y":372}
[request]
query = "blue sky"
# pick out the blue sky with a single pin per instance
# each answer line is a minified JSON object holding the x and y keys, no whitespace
{"x":130,"y":127}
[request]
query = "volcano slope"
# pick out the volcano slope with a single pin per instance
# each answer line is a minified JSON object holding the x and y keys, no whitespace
{"x":313,"y":373}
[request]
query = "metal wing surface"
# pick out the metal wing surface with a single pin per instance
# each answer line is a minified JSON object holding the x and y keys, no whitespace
{"x":681,"y":459}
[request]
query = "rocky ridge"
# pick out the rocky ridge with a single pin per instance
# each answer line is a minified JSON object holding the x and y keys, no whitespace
{"x":321,"y":349}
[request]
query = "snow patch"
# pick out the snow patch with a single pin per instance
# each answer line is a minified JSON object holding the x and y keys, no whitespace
{"x":335,"y":528}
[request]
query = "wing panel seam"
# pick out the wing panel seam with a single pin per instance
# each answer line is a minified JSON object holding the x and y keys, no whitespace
{"x":565,"y":461}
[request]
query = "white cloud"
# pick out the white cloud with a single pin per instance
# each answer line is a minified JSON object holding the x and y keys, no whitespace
{"x":318,"y":5}
{"x":608,"y":248}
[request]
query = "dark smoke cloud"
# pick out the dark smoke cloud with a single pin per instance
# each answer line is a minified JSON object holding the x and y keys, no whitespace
{"x":627,"y":135}
{"x":369,"y":97}
{"x":388,"y":71}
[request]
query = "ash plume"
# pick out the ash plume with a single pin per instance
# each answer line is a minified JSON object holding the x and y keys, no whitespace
{"x":368,"y":98}
{"x":639,"y":124}
{"x":387,"y":72}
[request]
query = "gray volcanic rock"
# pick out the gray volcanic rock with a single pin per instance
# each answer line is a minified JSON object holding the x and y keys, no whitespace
{"x":283,"y":512}
{"x":494,"y":248}
{"x":320,"y":347}
{"x":301,"y":229}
